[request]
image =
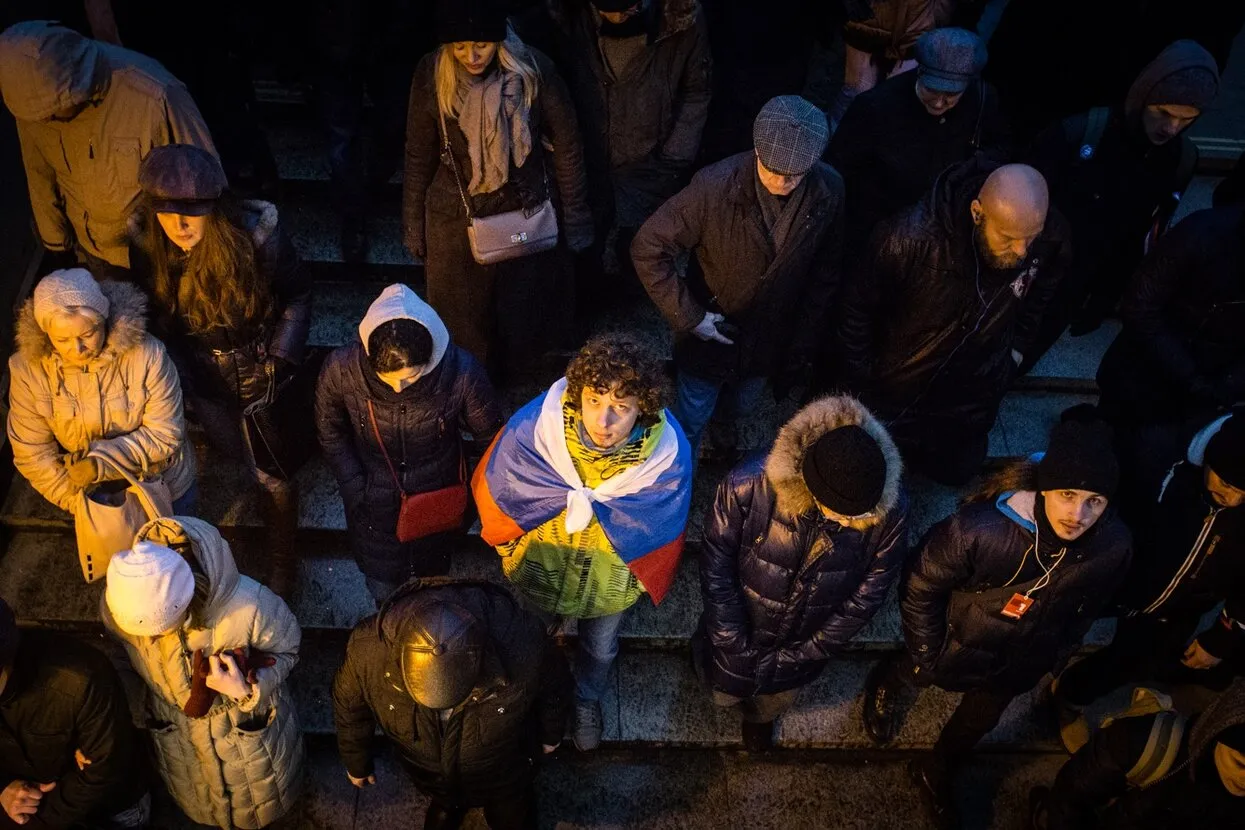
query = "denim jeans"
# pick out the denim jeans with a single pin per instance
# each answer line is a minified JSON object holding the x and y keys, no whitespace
{"x":187,"y":502}
{"x":594,"y":657}
{"x":696,"y":398}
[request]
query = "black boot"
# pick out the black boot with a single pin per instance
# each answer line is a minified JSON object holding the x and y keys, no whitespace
{"x":278,"y":508}
{"x":442,"y":817}
{"x":758,"y":737}
{"x":880,"y":704}
{"x":933,"y":781}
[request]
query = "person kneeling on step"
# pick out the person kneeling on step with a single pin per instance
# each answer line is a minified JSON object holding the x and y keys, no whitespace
{"x":1001,"y":593}
{"x":799,"y":553}
{"x":466,"y":686}
{"x":585,"y":494}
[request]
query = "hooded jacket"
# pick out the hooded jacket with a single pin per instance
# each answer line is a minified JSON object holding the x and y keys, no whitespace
{"x":421,"y":427}
{"x":1183,"y":343}
{"x":973,"y":562}
{"x":227,"y":364}
{"x":128,"y":397}
{"x":784,"y":587}
{"x":642,"y":126}
{"x":487,"y":748}
{"x":1152,"y":772}
{"x":926,"y":329}
{"x":240,"y":765}
{"x":1124,"y":194}
{"x":83,"y":173}
{"x":1190,"y":553}
{"x":63,"y":696}
{"x":779,"y":292}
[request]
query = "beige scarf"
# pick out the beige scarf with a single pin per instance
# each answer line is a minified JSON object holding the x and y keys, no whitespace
{"x":494,"y":118}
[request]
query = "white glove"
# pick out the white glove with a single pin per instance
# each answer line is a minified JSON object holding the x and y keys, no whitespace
{"x":707,"y":329}
{"x":225,"y":677}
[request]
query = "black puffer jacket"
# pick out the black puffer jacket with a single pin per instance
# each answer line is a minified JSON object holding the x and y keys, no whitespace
{"x":64,"y":696}
{"x":642,"y":126}
{"x":1182,"y":349}
{"x":488,"y":749}
{"x":784,"y":587}
{"x":227,"y":365}
{"x":925,"y":332}
{"x":970,"y":565}
{"x":421,"y":427}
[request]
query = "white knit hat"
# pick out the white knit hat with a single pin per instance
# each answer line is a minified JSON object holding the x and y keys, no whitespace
{"x":68,"y":288}
{"x":149,"y":589}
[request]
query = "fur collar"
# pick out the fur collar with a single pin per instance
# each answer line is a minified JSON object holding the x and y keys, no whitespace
{"x":127,"y":324}
{"x":782,"y":466}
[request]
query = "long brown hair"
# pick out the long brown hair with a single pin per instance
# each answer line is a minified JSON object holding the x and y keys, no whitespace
{"x":220,"y":286}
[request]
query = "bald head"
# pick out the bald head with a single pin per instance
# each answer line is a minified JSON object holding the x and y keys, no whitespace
{"x":1010,"y":212}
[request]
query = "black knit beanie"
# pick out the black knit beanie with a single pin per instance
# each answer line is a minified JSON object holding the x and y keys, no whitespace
{"x":1233,"y":737}
{"x":1225,"y":453}
{"x":477,"y":21}
{"x":845,"y":470}
{"x":1190,"y":86}
{"x":1079,"y":457}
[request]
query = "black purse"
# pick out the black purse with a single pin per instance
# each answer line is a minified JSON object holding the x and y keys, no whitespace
{"x":279,"y":427}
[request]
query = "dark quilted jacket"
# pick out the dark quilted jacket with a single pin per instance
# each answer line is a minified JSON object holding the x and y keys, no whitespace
{"x":969,"y":566}
{"x":784,"y":587}
{"x":421,"y":427}
{"x":488,"y":748}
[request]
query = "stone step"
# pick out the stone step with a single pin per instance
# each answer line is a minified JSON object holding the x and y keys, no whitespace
{"x":613,"y":789}
{"x":40,"y":577}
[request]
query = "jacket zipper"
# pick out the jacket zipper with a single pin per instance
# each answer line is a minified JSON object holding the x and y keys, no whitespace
{"x":1207,"y":524}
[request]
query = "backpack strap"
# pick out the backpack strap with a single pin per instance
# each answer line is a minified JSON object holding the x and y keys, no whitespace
{"x":1095,"y":126}
{"x":1162,"y":747}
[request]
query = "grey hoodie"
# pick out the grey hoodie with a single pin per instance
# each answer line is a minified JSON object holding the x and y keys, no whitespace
{"x":1177,"y":56}
{"x":83,"y":172}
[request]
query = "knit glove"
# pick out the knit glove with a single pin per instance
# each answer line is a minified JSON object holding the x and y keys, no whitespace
{"x":202,"y":696}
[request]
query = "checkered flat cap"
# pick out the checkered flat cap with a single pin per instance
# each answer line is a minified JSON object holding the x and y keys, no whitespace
{"x":790,"y":134}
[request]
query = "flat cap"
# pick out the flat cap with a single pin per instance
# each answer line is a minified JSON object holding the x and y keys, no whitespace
{"x":948,"y":59}
{"x":790,"y":134}
{"x":182,"y":178}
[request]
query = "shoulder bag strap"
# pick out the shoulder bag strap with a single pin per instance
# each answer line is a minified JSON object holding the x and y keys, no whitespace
{"x":136,"y":486}
{"x":371,"y":413}
{"x":449,"y":152}
{"x":1095,"y":126}
{"x":981,"y":111}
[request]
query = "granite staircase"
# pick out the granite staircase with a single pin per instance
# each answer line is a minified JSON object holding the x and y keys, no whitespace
{"x":670,"y":759}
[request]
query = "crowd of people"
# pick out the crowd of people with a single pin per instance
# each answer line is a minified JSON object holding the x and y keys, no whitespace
{"x":890,"y":265}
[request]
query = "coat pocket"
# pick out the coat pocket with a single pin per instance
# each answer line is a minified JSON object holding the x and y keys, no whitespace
{"x":263,"y":765}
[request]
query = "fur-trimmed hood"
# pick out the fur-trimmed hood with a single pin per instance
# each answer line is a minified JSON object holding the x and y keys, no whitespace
{"x":782,"y":466}
{"x":127,"y":324}
{"x":675,"y":15}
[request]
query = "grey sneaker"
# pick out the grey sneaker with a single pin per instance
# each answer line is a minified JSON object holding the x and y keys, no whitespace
{"x":588,"y":725}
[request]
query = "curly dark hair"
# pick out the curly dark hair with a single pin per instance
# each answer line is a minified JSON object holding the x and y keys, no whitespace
{"x":622,"y":360}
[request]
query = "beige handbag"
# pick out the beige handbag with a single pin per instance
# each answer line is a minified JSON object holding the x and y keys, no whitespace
{"x":509,"y":235}
{"x":106,"y":523}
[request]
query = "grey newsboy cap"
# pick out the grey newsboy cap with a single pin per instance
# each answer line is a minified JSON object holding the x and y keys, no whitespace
{"x":790,"y":134}
{"x":182,"y":178}
{"x":949,"y":58}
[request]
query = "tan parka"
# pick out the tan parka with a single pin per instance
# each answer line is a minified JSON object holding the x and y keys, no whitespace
{"x":128,"y":398}
{"x":240,"y":765}
{"x":83,"y":173}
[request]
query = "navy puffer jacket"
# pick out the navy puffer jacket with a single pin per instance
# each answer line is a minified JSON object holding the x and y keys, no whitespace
{"x":784,"y":587}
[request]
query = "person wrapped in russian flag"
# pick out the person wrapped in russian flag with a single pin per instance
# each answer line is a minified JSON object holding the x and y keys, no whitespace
{"x":585,"y":494}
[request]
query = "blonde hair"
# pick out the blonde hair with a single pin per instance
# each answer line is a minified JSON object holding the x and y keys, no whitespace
{"x":513,"y":56}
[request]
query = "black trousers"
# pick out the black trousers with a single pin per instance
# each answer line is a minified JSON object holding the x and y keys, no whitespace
{"x":978,"y":713}
{"x":1145,"y":647}
{"x":514,"y":814}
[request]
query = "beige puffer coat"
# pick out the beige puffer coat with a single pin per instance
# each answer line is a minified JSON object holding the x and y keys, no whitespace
{"x":128,"y":398}
{"x":240,"y":765}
